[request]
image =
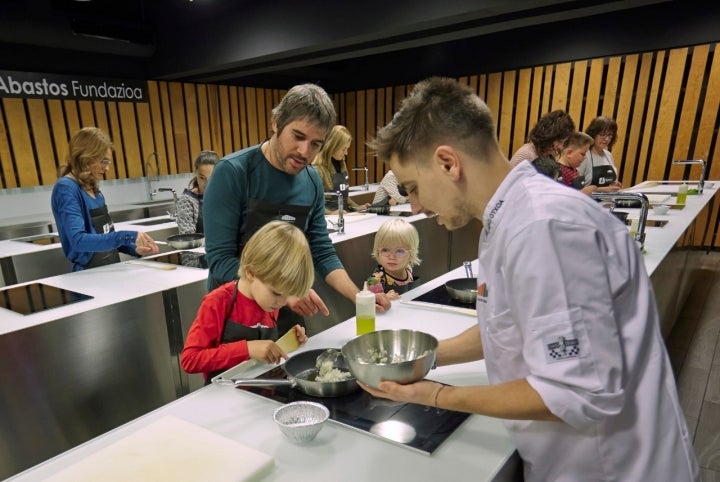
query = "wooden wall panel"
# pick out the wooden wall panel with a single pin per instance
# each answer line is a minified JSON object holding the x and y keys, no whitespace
{"x":666,"y":104}
{"x":44,"y":152}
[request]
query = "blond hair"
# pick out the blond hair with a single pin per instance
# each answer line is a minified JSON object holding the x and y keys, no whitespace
{"x":338,"y":138}
{"x":400,"y":232}
{"x":279,"y":254}
{"x":87,"y":146}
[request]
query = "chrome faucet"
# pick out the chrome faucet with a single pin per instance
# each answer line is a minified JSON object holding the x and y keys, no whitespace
{"x":629,"y":196}
{"x":151,"y":191}
{"x":172,"y":214}
{"x":366,"y":187}
{"x":341,"y":208}
{"x":701,"y":182}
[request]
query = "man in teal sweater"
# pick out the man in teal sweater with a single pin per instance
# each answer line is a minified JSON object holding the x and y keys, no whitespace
{"x":272,"y":181}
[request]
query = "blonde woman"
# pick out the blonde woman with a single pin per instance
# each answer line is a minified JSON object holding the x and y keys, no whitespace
{"x":238,"y":320}
{"x":396,"y":250}
{"x":332,"y":168}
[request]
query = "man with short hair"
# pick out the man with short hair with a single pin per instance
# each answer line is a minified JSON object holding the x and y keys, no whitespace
{"x":272,"y":181}
{"x":567,"y":320}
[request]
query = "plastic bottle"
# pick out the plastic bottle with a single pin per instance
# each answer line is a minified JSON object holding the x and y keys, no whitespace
{"x":682,"y":193}
{"x":365,"y":311}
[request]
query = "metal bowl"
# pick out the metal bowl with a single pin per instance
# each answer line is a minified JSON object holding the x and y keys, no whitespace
{"x":301,"y":421}
{"x":402,"y":356}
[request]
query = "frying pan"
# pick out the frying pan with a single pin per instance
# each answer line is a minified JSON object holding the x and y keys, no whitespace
{"x":301,"y":372}
{"x":186,"y":241}
{"x":463,"y":290}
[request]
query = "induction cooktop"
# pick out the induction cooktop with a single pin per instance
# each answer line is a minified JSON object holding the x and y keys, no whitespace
{"x":190,"y":259}
{"x":410,"y":425}
{"x":441,"y":296}
{"x":36,"y":297}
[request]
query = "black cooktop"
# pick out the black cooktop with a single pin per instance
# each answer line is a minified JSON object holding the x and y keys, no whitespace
{"x":190,"y":259}
{"x":35,"y":297}
{"x":441,"y":296}
{"x":414,"y":426}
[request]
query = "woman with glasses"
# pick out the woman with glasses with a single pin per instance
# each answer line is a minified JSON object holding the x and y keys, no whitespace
{"x":598,"y":168}
{"x":396,"y":251}
{"x":86,"y":231}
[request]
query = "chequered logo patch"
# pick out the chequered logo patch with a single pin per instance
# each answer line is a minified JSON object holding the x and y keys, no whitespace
{"x":562,"y":348}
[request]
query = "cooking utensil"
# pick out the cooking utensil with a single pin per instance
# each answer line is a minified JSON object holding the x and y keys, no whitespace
{"x":186,"y":241}
{"x":438,"y":307}
{"x":403,"y":356}
{"x":301,"y":372}
{"x":152,"y":264}
{"x":463,"y":290}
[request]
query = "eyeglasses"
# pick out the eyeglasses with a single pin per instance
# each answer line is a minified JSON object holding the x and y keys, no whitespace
{"x":399,"y":253}
{"x":402,"y":191}
{"x":106,"y":162}
{"x":606,"y":135}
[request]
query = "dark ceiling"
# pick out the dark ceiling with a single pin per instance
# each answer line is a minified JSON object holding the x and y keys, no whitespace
{"x":342,"y":45}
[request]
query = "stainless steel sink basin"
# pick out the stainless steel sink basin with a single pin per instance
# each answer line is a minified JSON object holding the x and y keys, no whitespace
{"x":651,"y":223}
{"x":154,"y":203}
{"x":41,"y":239}
{"x":152,"y":222}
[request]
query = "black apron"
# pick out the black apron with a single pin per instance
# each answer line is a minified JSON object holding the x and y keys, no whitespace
{"x":103,"y":224}
{"x":602,"y":175}
{"x":199,"y":228}
{"x":234,"y":331}
{"x":257,"y":215}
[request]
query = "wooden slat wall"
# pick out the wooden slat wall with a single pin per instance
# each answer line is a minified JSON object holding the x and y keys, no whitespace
{"x":666,"y":103}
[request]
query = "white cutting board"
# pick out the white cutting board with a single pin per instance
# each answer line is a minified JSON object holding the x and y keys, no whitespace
{"x":171,"y":449}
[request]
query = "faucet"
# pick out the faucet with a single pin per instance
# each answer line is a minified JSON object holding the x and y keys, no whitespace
{"x":629,"y":196}
{"x":366,"y":187}
{"x":341,"y":208}
{"x":340,"y":224}
{"x":172,"y":214}
{"x":152,"y":192}
{"x":701,"y":182}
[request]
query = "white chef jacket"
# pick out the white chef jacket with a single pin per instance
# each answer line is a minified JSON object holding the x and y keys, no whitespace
{"x":564,"y":301}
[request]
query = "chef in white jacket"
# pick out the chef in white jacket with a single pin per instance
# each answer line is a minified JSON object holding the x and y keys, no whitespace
{"x":568,"y":324}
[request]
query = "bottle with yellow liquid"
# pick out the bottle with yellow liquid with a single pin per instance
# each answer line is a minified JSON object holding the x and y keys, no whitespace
{"x":682,"y":193}
{"x":365,"y":311}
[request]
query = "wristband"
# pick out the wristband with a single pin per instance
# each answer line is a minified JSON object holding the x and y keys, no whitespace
{"x":437,"y":394}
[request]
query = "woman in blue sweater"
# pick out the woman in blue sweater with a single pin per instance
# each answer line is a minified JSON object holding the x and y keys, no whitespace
{"x":86,"y":231}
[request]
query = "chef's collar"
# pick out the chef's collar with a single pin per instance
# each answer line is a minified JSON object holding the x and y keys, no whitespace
{"x":494,"y":209}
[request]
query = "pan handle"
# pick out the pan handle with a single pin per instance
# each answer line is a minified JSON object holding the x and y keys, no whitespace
{"x":253,"y":382}
{"x":468,"y":269}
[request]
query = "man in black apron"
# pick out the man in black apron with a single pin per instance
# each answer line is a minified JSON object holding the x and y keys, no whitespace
{"x":272,"y":181}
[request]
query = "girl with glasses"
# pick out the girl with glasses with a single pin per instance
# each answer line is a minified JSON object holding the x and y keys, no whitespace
{"x":396,"y":251}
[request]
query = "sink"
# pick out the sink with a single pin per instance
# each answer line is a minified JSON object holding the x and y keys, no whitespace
{"x":651,"y":223}
{"x":153,"y":203}
{"x":651,"y":184}
{"x":41,"y":239}
{"x":152,"y":222}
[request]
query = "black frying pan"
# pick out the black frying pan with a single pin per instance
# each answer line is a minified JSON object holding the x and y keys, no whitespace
{"x":301,"y":372}
{"x":463,"y":290}
{"x":186,"y":241}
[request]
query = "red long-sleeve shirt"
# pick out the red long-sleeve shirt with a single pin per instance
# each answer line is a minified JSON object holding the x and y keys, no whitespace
{"x":203,"y":351}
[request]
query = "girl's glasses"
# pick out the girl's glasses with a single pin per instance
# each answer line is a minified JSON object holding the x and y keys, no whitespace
{"x":399,"y":253}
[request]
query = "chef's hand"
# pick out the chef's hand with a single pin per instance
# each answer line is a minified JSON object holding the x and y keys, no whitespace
{"x":382,"y":303}
{"x":265,"y":351}
{"x":308,"y":305}
{"x":145,"y":245}
{"x":422,"y":392}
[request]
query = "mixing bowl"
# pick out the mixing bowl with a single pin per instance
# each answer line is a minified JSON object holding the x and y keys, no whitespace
{"x":402,"y":356}
{"x":301,"y":421}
